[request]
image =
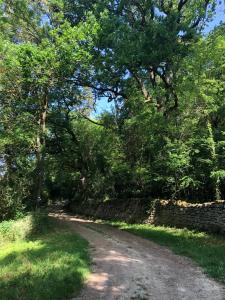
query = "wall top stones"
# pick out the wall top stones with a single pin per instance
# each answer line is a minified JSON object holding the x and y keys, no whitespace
{"x":184,"y":204}
{"x":209,"y":216}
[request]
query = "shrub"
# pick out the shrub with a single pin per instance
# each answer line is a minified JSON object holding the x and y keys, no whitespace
{"x":23,"y":228}
{"x":11,"y":205}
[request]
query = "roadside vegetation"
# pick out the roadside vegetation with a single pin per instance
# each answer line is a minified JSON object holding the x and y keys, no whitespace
{"x":104,"y":100}
{"x":40,"y":260}
{"x":207,"y":250}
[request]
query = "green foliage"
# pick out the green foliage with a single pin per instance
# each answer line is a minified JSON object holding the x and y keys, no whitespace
{"x":24,"y":227}
{"x":10,"y":204}
{"x":163,"y":138}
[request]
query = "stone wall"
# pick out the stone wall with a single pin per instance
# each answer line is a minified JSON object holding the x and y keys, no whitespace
{"x":131,"y":211}
{"x":206,"y":217}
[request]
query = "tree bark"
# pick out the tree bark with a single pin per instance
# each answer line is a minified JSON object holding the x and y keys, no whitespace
{"x":40,"y":151}
{"x":212,"y":145}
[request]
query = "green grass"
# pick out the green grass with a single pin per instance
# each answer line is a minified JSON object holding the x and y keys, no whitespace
{"x":47,"y":262}
{"x":206,"y":250}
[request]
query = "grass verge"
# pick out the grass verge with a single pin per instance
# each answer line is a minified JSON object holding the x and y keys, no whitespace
{"x":43,"y":261}
{"x":206,"y":250}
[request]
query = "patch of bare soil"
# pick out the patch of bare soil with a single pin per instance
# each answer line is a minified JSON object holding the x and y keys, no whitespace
{"x":128,"y":267}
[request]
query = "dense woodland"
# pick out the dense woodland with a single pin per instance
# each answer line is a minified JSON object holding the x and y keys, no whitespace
{"x":163,"y":138}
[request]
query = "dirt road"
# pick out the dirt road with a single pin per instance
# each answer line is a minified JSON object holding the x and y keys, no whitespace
{"x":128,"y":267}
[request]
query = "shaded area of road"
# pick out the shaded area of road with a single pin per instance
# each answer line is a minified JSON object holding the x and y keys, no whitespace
{"x":128,"y":267}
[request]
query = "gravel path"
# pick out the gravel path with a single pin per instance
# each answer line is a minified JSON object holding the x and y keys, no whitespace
{"x":128,"y":267}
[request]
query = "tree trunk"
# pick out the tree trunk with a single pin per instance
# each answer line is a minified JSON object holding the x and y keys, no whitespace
{"x":212,"y":146}
{"x":40,"y":152}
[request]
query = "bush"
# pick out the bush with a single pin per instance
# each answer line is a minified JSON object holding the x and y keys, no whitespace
{"x":23,"y":228}
{"x":11,"y":205}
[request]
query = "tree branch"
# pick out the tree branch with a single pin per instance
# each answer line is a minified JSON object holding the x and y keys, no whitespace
{"x":147,"y":96}
{"x":196,"y":23}
{"x":181,"y":4}
{"x":90,"y":120}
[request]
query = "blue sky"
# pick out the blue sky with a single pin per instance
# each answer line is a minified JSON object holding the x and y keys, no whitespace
{"x":219,"y":17}
{"x":103,"y":105}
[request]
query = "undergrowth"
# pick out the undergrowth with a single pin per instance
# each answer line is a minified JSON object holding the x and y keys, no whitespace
{"x":41,"y":260}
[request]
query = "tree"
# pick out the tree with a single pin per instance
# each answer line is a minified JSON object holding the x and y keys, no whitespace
{"x":144,"y":43}
{"x":164,"y":138}
{"x":40,"y":67}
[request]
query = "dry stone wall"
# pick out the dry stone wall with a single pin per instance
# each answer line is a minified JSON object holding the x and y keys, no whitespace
{"x":206,"y":217}
{"x":131,"y":211}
